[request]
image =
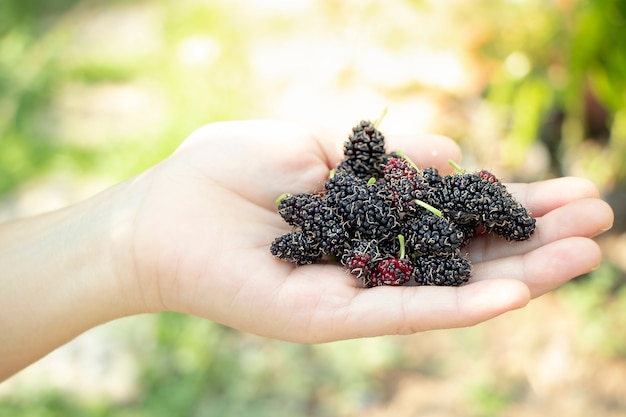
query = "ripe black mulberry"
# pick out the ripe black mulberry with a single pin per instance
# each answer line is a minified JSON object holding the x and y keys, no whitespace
{"x":447,"y":269}
{"x":364,"y":151}
{"x":429,"y":233}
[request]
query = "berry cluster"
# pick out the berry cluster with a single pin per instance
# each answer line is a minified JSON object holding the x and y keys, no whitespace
{"x":390,"y":223}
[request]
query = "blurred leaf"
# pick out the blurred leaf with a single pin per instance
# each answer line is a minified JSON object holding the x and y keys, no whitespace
{"x":531,"y":101}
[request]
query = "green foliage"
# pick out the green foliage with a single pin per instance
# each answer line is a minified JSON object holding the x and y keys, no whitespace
{"x":51,"y":404}
{"x":199,"y":368}
{"x":31,"y":15}
{"x":42,"y":67}
{"x":202,"y":369}
{"x":599,"y":300}
{"x":560,"y":57}
{"x":489,"y":398}
{"x":597,"y":53}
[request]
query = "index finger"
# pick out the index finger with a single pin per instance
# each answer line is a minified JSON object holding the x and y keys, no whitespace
{"x":544,"y":196}
{"x":426,"y":150}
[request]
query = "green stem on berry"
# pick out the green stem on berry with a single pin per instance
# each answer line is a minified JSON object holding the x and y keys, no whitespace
{"x":402,"y":247}
{"x":406,"y":158}
{"x":332,"y":173}
{"x":428,"y":207}
{"x":457,"y":166}
{"x":380,"y":118}
{"x":281,"y":198}
{"x":371,"y":182}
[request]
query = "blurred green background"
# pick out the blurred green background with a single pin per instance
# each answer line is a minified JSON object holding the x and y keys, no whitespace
{"x":92,"y":92}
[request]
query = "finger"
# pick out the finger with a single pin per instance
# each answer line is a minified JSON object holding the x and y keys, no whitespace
{"x":583,"y":218}
{"x":392,"y":310}
{"x":427,"y":150}
{"x":545,"y":268}
{"x":263,"y":159}
{"x":327,"y":304}
{"x":544,"y":196}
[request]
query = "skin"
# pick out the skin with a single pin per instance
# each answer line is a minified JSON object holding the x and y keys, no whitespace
{"x":192,"y":235}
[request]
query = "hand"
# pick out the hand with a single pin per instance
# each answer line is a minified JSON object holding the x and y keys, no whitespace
{"x":201,"y":222}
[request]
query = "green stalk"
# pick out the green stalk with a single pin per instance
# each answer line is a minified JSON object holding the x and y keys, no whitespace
{"x":402,"y":248}
{"x":457,"y":166}
{"x":428,"y":207}
{"x":282,"y":197}
{"x":406,"y":158}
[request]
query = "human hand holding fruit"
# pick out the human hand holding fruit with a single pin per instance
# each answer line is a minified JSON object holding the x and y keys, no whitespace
{"x":193,"y":234}
{"x":207,"y":216}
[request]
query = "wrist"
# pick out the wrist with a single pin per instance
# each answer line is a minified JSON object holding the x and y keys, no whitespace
{"x":59,"y":278}
{"x":131,"y":275}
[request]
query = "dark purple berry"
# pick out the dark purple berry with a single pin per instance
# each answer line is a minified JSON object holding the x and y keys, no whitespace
{"x":360,"y":258}
{"x":471,"y":199}
{"x":405,"y":183}
{"x":364,"y":151}
{"x":365,"y":210}
{"x":442,"y":269}
{"x":295,"y":247}
{"x":428,"y":233}
{"x":297,"y":208}
{"x":317,"y":221}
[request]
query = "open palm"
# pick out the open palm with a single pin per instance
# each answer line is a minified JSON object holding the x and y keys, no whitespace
{"x":206,"y":216}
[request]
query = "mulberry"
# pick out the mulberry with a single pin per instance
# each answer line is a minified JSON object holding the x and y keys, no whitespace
{"x":364,"y":209}
{"x":317,"y":221}
{"x":471,"y":199}
{"x":295,"y":247}
{"x":361,"y":258}
{"x":432,"y":177}
{"x":429,"y":233}
{"x":520,"y":226}
{"x":447,"y":269}
{"x":435,"y":183}
{"x":391,"y":272}
{"x":297,"y":208}
{"x":364,"y":151}
{"x":405,"y":183}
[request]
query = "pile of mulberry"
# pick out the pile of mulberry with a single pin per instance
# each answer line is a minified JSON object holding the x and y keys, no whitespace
{"x":389,"y":222}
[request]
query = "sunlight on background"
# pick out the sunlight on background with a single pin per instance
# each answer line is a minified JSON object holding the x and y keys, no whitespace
{"x":93,"y":92}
